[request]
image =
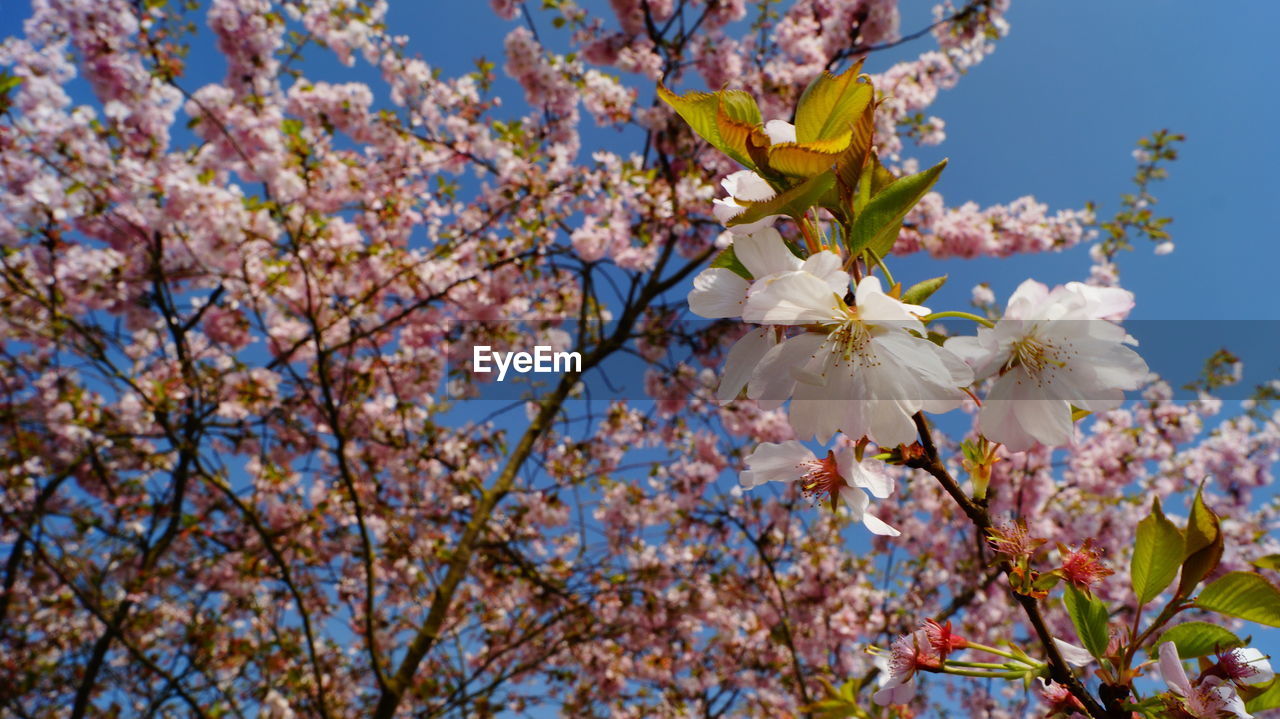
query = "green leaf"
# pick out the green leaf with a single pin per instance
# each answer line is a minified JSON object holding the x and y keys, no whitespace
{"x":1244,"y":595}
{"x":794,"y":202}
{"x":877,"y":225}
{"x":921,"y":291}
{"x":1271,"y":561}
{"x":708,"y":112}
{"x":8,"y":82}
{"x":854,"y":160}
{"x":1157,"y":554}
{"x":1089,"y":616}
{"x":1199,"y":639}
{"x":1268,"y":699}
{"x":728,"y":259}
{"x":831,"y":104}
{"x":1203,"y":548}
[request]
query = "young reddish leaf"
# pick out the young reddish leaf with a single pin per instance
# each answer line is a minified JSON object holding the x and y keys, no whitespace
{"x":854,"y":160}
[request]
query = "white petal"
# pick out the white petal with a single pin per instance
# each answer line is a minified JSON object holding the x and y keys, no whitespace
{"x":1171,"y":670}
{"x":1261,"y":667}
{"x":1025,"y":301}
{"x":874,"y":305}
{"x":726,"y":209}
{"x":764,"y":253}
{"x":1232,"y":702}
{"x":870,"y":475}
{"x":772,"y":462}
{"x":744,"y":357}
{"x":875,"y":525}
{"x":747,"y":186}
{"x":855,"y":501}
{"x":1016,"y":414}
{"x":774,"y":378}
{"x":828,"y":266}
{"x":1073,"y":655}
{"x":780,"y":131}
{"x":718,"y":292}
{"x":791,"y":298}
{"x":1103,"y":302}
{"x":891,"y":423}
{"x":982,"y":352}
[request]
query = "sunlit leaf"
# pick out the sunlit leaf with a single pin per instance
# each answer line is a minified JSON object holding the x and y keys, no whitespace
{"x":807,"y":159}
{"x":1270,"y":561}
{"x":1269,"y":698}
{"x":921,"y":291}
{"x":1203,"y":548}
{"x":877,"y":225}
{"x":728,"y":259}
{"x":706,"y":111}
{"x":1157,"y":554}
{"x":1089,"y":616}
{"x":1244,"y":595}
{"x":831,"y":104}
{"x":1199,"y":639}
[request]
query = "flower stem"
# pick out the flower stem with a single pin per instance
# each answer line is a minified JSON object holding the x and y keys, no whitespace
{"x":888,"y":276}
{"x":961,"y":315}
{"x":1007,"y":674}
{"x":1002,"y":653}
{"x":978,"y":665}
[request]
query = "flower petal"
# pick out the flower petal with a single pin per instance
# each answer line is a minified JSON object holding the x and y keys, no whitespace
{"x":773,"y":380}
{"x":772,"y":462}
{"x":791,"y":298}
{"x":877,"y":526}
{"x":747,"y":186}
{"x":764,"y":253}
{"x":780,"y":131}
{"x":744,"y":357}
{"x":1073,"y":655}
{"x":718,"y":292}
{"x":1171,"y":670}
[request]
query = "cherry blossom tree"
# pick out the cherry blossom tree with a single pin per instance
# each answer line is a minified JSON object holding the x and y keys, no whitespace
{"x":244,"y":472}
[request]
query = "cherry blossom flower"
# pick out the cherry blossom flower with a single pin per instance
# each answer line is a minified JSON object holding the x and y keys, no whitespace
{"x":743,"y":186}
{"x":1083,"y":567}
{"x":1051,"y":351}
{"x":1209,"y":698}
{"x":1060,"y":699}
{"x":942,"y":639}
{"x":909,"y":653}
{"x":720,"y":292}
{"x":861,"y":372}
{"x":838,"y":474}
{"x":1243,"y":667}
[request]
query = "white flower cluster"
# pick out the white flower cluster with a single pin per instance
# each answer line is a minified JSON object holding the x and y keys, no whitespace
{"x":859,"y":361}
